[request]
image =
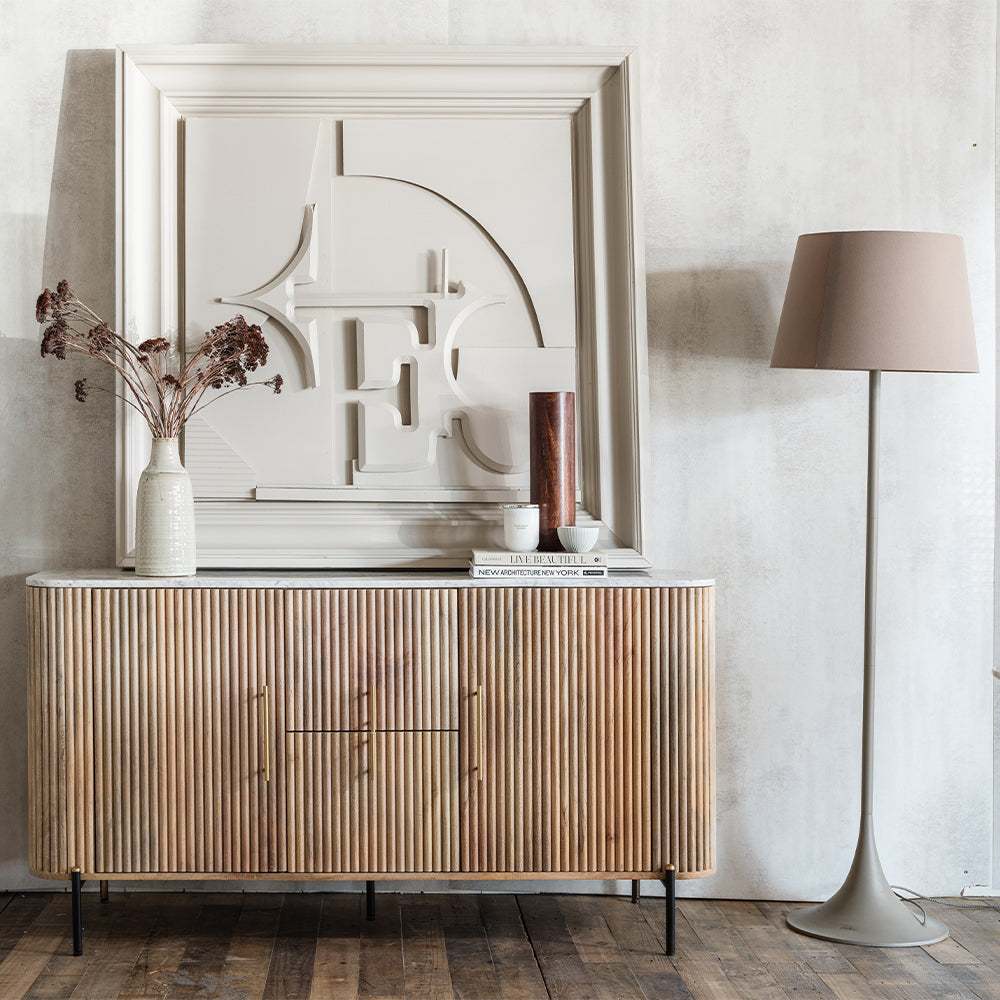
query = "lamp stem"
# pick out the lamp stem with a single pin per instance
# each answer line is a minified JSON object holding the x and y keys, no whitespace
{"x":865,"y":910}
{"x":871,"y":581}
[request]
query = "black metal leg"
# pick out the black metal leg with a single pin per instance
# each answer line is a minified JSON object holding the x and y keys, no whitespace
{"x":635,"y":890}
{"x":104,"y":890}
{"x":668,"y":881}
{"x":77,"y":886}
{"x":370,"y":899}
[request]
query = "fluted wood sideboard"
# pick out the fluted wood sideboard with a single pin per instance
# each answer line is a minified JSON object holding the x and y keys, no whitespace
{"x":368,"y":726}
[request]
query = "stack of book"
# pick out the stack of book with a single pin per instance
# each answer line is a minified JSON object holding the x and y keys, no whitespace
{"x":501,"y":563}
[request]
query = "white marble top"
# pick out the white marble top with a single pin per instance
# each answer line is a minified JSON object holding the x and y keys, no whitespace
{"x":311,"y":579}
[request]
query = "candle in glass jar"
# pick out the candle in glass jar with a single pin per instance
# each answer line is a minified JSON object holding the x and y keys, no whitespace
{"x":520,"y":526}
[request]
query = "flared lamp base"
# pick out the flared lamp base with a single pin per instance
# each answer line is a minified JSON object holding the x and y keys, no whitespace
{"x":895,"y":927}
{"x":865,"y":910}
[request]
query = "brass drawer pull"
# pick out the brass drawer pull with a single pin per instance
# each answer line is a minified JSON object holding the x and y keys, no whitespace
{"x":371,"y":730}
{"x":267,"y":733}
{"x":480,"y":731}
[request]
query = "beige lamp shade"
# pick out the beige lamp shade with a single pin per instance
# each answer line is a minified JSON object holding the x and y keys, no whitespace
{"x":886,"y":301}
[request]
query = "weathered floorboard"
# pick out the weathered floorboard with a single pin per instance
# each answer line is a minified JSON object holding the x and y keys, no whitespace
{"x":337,"y":967}
{"x":291,"y":970}
{"x":514,"y":961}
{"x":251,"y":946}
{"x":381,"y":971}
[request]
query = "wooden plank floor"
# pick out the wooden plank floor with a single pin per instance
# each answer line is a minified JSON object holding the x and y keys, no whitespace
{"x":235,"y":946}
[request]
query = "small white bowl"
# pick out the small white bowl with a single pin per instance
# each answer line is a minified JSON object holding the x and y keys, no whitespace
{"x":578,"y":537}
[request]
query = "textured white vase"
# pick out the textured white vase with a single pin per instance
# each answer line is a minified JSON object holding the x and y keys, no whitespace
{"x":164,"y":514}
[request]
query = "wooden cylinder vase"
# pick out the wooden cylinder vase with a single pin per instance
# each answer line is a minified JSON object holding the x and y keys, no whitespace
{"x":552,"y":430}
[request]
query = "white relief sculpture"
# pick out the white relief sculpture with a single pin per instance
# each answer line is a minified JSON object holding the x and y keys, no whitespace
{"x":277,"y":298}
{"x":216,"y":468}
{"x":507,"y":176}
{"x":437,"y":400}
{"x":384,"y":345}
{"x":442,"y":408}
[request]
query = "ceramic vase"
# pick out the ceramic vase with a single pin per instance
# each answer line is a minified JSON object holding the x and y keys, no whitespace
{"x":164,"y":514}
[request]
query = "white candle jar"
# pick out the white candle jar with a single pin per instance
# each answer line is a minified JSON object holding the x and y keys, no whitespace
{"x":520,"y":526}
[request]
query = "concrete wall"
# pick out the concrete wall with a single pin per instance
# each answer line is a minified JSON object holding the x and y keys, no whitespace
{"x":761,"y":119}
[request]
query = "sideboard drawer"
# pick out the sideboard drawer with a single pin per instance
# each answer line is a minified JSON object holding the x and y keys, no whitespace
{"x":364,"y":659}
{"x":372,"y":802}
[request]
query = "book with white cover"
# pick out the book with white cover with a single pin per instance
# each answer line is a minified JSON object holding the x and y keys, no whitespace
{"x":536,"y":572}
{"x":504,"y":557}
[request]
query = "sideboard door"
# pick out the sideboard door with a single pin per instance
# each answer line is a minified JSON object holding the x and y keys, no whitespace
{"x":587,"y":730}
{"x":560,"y":780}
{"x":180,"y":746}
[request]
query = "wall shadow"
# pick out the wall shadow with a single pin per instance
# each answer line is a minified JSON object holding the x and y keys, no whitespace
{"x":58,"y":490}
{"x":713,"y":402}
{"x":80,"y":234}
{"x":717,"y":313}
{"x":711,"y":333}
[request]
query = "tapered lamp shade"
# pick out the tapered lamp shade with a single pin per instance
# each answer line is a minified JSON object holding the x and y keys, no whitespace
{"x":888,"y":301}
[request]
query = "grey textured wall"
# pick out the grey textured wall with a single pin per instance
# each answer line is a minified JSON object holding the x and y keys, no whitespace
{"x":761,"y":119}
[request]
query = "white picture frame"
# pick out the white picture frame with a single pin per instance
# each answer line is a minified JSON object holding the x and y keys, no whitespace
{"x":159,"y":87}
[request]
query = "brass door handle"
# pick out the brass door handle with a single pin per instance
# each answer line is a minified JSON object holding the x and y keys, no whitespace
{"x":371,"y":731}
{"x":480,"y":731}
{"x":267,"y":733}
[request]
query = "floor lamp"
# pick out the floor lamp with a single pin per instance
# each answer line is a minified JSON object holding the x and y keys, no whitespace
{"x":874,"y":301}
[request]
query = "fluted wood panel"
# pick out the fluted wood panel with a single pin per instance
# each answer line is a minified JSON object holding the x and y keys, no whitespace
{"x":61,"y":816}
{"x":373,"y":802}
{"x":371,"y":659}
{"x":156,"y":695}
{"x":179,"y":740}
{"x":593,"y":748}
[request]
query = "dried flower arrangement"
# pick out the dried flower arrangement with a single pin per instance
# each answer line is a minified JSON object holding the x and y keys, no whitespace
{"x":165,"y":400}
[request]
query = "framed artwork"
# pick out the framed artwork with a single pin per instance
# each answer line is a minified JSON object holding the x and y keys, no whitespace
{"x":425,"y":235}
